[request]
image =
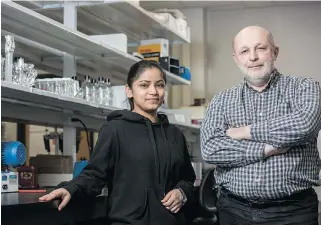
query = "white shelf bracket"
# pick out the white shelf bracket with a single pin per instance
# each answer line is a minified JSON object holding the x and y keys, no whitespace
{"x":70,"y":20}
{"x":69,"y":70}
{"x":69,"y":139}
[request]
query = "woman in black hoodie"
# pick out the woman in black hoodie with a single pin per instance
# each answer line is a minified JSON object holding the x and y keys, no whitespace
{"x":142,"y":158}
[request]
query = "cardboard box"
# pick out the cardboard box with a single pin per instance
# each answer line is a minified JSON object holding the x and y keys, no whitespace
{"x":154,"y":49}
{"x":52,"y":164}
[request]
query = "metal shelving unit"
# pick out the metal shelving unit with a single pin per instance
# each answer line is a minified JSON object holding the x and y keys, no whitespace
{"x":36,"y":102}
{"x":109,"y":17}
{"x":40,"y":29}
{"x":17,"y":96}
{"x":54,"y":47}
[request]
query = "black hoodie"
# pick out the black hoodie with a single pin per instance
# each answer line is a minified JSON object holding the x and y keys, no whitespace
{"x":141,"y":162}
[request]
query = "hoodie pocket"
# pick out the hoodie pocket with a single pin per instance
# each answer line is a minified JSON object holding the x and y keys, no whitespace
{"x":139,"y":214}
{"x":153,"y":211}
{"x":157,"y":207}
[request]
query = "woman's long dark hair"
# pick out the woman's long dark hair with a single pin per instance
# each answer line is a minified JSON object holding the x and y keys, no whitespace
{"x":136,"y":70}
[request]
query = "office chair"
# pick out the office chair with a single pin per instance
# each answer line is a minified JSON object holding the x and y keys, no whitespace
{"x":207,"y":200}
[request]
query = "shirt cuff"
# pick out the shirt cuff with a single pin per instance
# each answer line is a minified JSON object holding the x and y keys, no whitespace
{"x":255,"y":152}
{"x":259,"y":132}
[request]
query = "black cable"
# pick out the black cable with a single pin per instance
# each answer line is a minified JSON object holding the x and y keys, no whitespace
{"x":78,"y":120}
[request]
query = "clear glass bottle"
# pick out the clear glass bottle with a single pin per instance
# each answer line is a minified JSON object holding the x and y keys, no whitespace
{"x":3,"y":60}
{"x":101,"y":91}
{"x":75,"y":87}
{"x":94,"y":83}
{"x":87,"y":89}
{"x":109,"y":93}
{"x":18,"y":71}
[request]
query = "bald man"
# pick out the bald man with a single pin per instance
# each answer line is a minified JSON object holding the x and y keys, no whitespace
{"x":262,"y":137}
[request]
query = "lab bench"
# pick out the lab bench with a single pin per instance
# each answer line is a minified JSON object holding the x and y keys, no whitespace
{"x":25,"y":208}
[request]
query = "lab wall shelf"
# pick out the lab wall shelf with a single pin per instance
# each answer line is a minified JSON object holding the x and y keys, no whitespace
{"x":42,"y":107}
{"x":109,"y":17}
{"x":42,"y":39}
{"x":40,"y":29}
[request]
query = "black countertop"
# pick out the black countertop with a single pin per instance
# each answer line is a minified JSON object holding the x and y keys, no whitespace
{"x":25,"y":208}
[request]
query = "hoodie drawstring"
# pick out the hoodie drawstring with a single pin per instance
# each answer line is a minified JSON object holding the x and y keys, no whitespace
{"x":168,"y":155}
{"x":168,"y":158}
{"x":151,"y":135}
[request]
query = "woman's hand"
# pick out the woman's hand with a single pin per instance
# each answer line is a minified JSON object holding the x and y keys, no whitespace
{"x":173,"y":201}
{"x":60,"y":193}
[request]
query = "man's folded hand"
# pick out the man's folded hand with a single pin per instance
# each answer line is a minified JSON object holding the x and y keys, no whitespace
{"x":270,"y":150}
{"x":239,"y":133}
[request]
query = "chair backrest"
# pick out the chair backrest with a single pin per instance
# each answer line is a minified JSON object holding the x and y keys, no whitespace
{"x":207,"y":192}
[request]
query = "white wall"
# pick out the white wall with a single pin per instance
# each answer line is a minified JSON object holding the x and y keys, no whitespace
{"x":197,"y":50}
{"x":296,"y":29}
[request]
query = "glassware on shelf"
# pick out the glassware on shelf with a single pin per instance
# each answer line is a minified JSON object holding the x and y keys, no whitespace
{"x":26,"y":79}
{"x":24,"y":73}
{"x":29,"y":75}
{"x":3,"y":61}
{"x":76,"y":91}
{"x":94,"y":82}
{"x":18,"y":71}
{"x":69,"y":84}
{"x":41,"y":84}
{"x":61,"y":86}
{"x":109,"y":93}
{"x":9,"y":49}
{"x":69,"y":87}
{"x":32,"y":77}
{"x":87,"y":89}
{"x":51,"y":86}
{"x":101,"y":91}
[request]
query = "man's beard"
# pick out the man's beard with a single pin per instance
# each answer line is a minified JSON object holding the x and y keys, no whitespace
{"x":258,"y":78}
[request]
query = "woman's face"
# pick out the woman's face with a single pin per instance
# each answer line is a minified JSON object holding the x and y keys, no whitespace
{"x":148,"y":91}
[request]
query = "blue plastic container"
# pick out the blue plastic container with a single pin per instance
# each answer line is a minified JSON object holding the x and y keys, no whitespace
{"x":79,"y":166}
{"x":185,"y":73}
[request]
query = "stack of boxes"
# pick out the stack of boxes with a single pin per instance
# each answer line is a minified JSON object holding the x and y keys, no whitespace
{"x":158,"y":50}
{"x":154,"y":49}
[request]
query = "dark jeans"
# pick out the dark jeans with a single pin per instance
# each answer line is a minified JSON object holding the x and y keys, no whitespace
{"x":297,"y":209}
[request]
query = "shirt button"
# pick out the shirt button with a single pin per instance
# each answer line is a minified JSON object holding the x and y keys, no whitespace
{"x":257,"y":180}
{"x":260,"y":114}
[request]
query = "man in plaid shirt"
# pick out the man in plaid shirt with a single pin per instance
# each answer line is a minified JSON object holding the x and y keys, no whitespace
{"x":262,"y":137}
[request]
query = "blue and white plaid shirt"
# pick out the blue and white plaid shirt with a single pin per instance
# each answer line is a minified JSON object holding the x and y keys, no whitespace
{"x":286,"y":114}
